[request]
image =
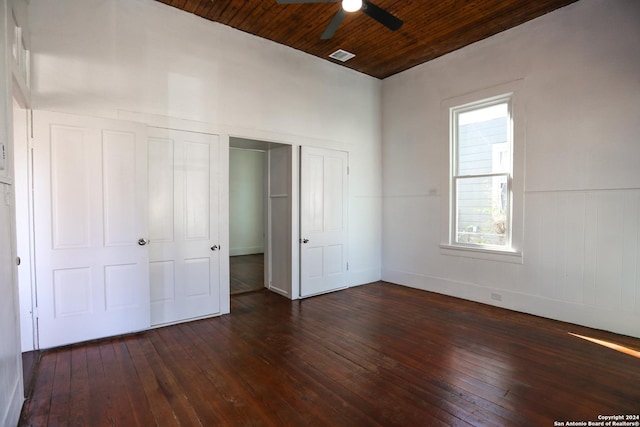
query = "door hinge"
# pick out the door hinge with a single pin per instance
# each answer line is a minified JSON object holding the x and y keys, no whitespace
{"x":347,"y":266}
{"x":348,"y":170}
{"x":35,"y":312}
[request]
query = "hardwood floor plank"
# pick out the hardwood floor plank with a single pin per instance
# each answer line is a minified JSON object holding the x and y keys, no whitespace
{"x":35,"y":411}
{"x":225,"y":392}
{"x":175,"y":395}
{"x":59,"y":411}
{"x":30,"y":360}
{"x":373,"y":355}
{"x":477,"y":368}
{"x":122,"y":412}
{"x":100,"y":404}
{"x":191,"y":382}
{"x":217,"y":384}
{"x":360,"y":388}
{"x":378,"y":372}
{"x":325,"y":394}
{"x":158,"y":402}
{"x":132,"y":385}
{"x":247,"y":407}
{"x":364,"y":381}
{"x":79,"y":388}
{"x":263,"y":381}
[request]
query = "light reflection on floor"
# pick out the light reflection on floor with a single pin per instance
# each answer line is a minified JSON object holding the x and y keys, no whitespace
{"x":613,"y":346}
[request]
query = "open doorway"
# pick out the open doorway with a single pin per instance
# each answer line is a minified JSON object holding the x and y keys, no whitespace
{"x":246,"y":219}
{"x":260,"y":220}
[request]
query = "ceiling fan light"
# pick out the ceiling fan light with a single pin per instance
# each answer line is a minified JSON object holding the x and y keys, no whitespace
{"x":351,"y":5}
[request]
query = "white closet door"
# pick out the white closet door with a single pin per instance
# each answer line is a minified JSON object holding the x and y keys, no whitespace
{"x":323,"y":220}
{"x":278,"y":254}
{"x":183,"y":223}
{"x":89,"y":214}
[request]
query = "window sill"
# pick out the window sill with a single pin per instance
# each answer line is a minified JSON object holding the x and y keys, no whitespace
{"x":506,"y":255}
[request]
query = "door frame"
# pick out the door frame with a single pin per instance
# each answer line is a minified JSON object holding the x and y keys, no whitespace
{"x":25,"y":238}
{"x":242,"y":142}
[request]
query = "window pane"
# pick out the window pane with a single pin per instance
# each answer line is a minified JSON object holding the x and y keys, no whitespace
{"x":481,"y":210}
{"x":482,"y":140}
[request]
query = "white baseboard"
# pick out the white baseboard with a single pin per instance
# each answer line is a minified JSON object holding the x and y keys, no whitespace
{"x":280,"y":291}
{"x":245,"y":251}
{"x":618,"y":321}
{"x":362,"y":277}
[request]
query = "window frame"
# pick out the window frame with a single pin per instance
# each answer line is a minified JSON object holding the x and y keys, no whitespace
{"x":451,"y":109}
{"x":455,"y":176}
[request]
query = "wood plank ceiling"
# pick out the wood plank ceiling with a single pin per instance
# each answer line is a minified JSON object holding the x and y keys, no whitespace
{"x":432,"y":28}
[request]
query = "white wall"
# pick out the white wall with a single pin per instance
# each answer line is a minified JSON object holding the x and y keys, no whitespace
{"x":110,"y":57}
{"x":246,"y":201}
{"x":581,"y":92}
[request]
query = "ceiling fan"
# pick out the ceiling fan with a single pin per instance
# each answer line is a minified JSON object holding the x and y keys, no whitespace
{"x":370,"y":9}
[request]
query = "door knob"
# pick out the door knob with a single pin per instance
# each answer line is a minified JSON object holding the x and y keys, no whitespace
{"x":305,"y":240}
{"x":215,"y":247}
{"x":142,"y":241}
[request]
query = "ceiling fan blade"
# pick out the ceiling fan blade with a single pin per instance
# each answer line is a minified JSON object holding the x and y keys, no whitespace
{"x":334,"y":24}
{"x":381,"y":15}
{"x":306,"y":1}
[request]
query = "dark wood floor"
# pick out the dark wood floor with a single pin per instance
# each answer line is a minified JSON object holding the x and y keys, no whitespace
{"x":30,"y":360}
{"x":374,"y":355}
{"x":246,"y":273}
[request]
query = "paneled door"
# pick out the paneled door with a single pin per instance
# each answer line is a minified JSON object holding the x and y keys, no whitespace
{"x":90,"y":226}
{"x":323,"y":220}
{"x":184,"y":243}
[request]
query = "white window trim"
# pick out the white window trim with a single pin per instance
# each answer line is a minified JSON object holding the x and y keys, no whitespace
{"x":512,"y":254}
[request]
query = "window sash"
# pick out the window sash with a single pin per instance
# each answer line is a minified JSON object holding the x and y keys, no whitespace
{"x":455,"y":229}
{"x":455,"y":127}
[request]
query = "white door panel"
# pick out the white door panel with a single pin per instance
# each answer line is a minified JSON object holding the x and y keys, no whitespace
{"x":183,"y":223}
{"x":119,"y":172}
{"x":279,"y":213}
{"x":89,"y":212}
{"x":323,"y":227}
{"x":161,"y":194}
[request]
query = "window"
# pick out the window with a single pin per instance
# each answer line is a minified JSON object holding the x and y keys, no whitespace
{"x":481,"y":173}
{"x":483,"y":137}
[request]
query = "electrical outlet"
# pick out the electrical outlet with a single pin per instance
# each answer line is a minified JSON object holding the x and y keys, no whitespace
{"x":496,"y":296}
